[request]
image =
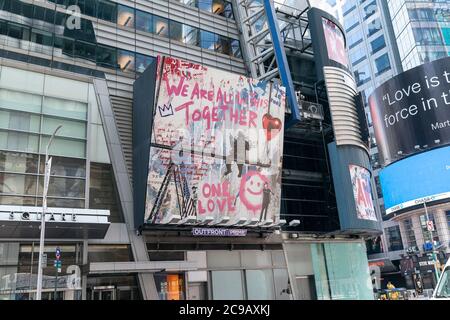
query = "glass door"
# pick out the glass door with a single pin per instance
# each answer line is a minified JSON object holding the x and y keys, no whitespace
{"x":104,"y":293}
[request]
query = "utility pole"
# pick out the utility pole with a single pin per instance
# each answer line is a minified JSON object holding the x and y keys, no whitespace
{"x":48,"y":164}
{"x":436,"y":271}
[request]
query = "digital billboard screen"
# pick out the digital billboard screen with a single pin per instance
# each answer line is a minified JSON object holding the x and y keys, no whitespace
{"x":411,"y":181}
{"x":411,"y":112}
{"x":216,"y":145}
{"x":362,"y":192}
{"x":335,"y":41}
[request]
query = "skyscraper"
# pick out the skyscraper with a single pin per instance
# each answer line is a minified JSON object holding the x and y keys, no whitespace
{"x":386,"y":38}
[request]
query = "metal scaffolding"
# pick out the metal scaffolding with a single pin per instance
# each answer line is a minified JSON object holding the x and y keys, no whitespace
{"x":270,"y":30}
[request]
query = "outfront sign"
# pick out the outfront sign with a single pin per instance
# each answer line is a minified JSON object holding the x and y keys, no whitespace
{"x":219,"y":232}
{"x":216,"y":146}
{"x":411,"y":112}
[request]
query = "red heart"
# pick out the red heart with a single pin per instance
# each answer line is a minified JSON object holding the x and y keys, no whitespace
{"x":271,"y":125}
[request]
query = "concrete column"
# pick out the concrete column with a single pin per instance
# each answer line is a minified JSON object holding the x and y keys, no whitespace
{"x":441,"y":226}
{"x":417,"y":230}
{"x":84,"y":277}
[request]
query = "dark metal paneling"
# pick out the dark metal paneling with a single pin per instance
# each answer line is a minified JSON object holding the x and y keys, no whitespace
{"x":143,"y":104}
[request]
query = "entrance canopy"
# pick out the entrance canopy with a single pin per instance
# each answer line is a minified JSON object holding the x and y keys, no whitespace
{"x":21,"y":222}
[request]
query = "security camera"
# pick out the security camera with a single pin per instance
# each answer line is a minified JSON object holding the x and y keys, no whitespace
{"x":25,"y":216}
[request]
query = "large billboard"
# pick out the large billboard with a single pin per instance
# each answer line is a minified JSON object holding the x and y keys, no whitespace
{"x":421,"y":178}
{"x":216,"y":146}
{"x":411,"y":112}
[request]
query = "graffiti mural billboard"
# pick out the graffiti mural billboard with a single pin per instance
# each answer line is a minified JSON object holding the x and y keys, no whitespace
{"x":216,"y":145}
{"x":362,"y":192}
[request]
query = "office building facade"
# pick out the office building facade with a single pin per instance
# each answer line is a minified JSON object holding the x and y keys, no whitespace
{"x":387,"y":38}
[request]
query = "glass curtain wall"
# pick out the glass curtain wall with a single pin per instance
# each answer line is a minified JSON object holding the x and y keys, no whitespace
{"x":26,"y":124}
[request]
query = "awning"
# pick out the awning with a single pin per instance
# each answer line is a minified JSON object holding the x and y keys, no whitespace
{"x":141,"y":267}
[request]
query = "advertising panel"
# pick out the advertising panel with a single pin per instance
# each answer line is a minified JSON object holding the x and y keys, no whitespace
{"x":362,"y":192}
{"x":328,"y":40}
{"x":335,"y":40}
{"x":216,"y":145}
{"x":411,"y":112}
{"x":421,"y":178}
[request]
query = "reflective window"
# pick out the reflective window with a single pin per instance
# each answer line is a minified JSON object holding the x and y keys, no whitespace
{"x":382,"y":64}
{"x":19,"y":277}
{"x":64,"y":108}
{"x":82,"y":44}
{"x":378,"y":44}
{"x":64,"y":187}
{"x":126,"y":60}
{"x":65,"y":167}
{"x":428,"y":235}
{"x":427,"y":36}
{"x":370,"y":9}
{"x":102,"y":191}
{"x":107,"y":10}
{"x":161,"y":26}
{"x":109,"y":253}
{"x":394,"y":238}
{"x":144,"y":21}
{"x":410,"y":236}
{"x":17,"y":184}
{"x":259,"y":284}
{"x":18,"y":162}
{"x":22,"y":121}
{"x":208,"y":40}
{"x":142,"y":62}
{"x":373,"y":27}
{"x":106,"y":57}
{"x":227,"y":285}
{"x":18,"y":141}
{"x":125,"y":16}
{"x":447,"y":213}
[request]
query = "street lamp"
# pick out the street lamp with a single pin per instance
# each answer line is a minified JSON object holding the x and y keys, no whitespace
{"x":432,"y":243}
{"x":48,"y":164}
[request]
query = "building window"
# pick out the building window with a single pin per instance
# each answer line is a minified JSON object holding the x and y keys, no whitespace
{"x":70,"y":45}
{"x":410,"y":237}
{"x":102,"y":191}
{"x":373,"y":27}
{"x":125,"y":16}
{"x":426,"y":234}
{"x":109,"y":253}
{"x":382,"y":64}
{"x":19,"y":263}
{"x":448,"y":218}
{"x":427,"y":36}
{"x":394,"y":238}
{"x":370,"y":9}
{"x":378,"y":44}
{"x":26,"y":124}
{"x":227,"y":285}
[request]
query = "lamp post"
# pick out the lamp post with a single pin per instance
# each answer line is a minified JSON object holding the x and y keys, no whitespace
{"x":436,"y":271}
{"x":48,"y":163}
